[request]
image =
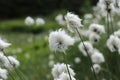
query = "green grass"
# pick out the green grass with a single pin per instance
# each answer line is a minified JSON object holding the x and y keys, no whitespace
{"x":32,"y":51}
{"x":18,"y":25}
{"x":30,"y":46}
{"x":32,"y":54}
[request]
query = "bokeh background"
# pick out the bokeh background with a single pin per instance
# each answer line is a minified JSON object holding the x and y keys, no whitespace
{"x":30,"y":43}
{"x":22,"y":8}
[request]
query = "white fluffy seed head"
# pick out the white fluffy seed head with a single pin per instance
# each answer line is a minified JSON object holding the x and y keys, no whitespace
{"x":63,"y":68}
{"x":4,"y":44}
{"x":3,"y":73}
{"x":73,"y":21}
{"x":11,"y":62}
{"x":40,"y":21}
{"x":29,"y":21}
{"x":58,"y":69}
{"x":97,"y":57}
{"x":118,"y":24}
{"x":65,"y":76}
{"x":97,"y":28}
{"x":113,"y":43}
{"x":96,"y":68}
{"x":60,"y":20}
{"x":88,"y":16}
{"x":51,"y":57}
{"x":85,"y":33}
{"x":85,"y":47}
{"x":117,"y":33}
{"x":94,"y":38}
{"x":2,"y":59}
{"x":77,"y":60}
{"x":55,"y":72}
{"x":59,"y":41}
{"x":51,"y":63}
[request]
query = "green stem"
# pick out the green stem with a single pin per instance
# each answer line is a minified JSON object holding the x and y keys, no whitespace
{"x":108,"y":25}
{"x":87,"y":55}
{"x":117,"y":60}
{"x":56,"y":56}
{"x":11,"y":75}
{"x":20,"y":71}
{"x":112,"y":26}
{"x":67,"y":65}
{"x":13,"y":66}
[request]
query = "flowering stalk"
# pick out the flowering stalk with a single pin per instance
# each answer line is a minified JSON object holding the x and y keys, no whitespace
{"x":87,"y":54}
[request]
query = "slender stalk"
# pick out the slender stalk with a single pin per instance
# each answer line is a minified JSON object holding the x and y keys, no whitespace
{"x":68,"y":71}
{"x":117,"y":60}
{"x":19,"y":70}
{"x":11,"y":75}
{"x":21,"y":77}
{"x":67,"y":65}
{"x":14,"y":70}
{"x":107,"y":66}
{"x":87,"y":54}
{"x":112,"y":26}
{"x":108,"y":26}
{"x":56,"y":56}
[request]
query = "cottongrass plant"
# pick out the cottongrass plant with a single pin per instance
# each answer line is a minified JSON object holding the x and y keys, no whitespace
{"x":97,"y":68}
{"x":73,"y":22}
{"x":3,"y":74}
{"x":60,"y":20}
{"x":86,"y":48}
{"x":59,"y":41}
{"x":95,"y":45}
{"x":73,"y":25}
{"x":60,"y":72}
{"x":29,"y":21}
{"x":40,"y":21}
{"x":77,"y":60}
{"x":97,"y":28}
{"x":8,"y":62}
{"x":112,"y":42}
